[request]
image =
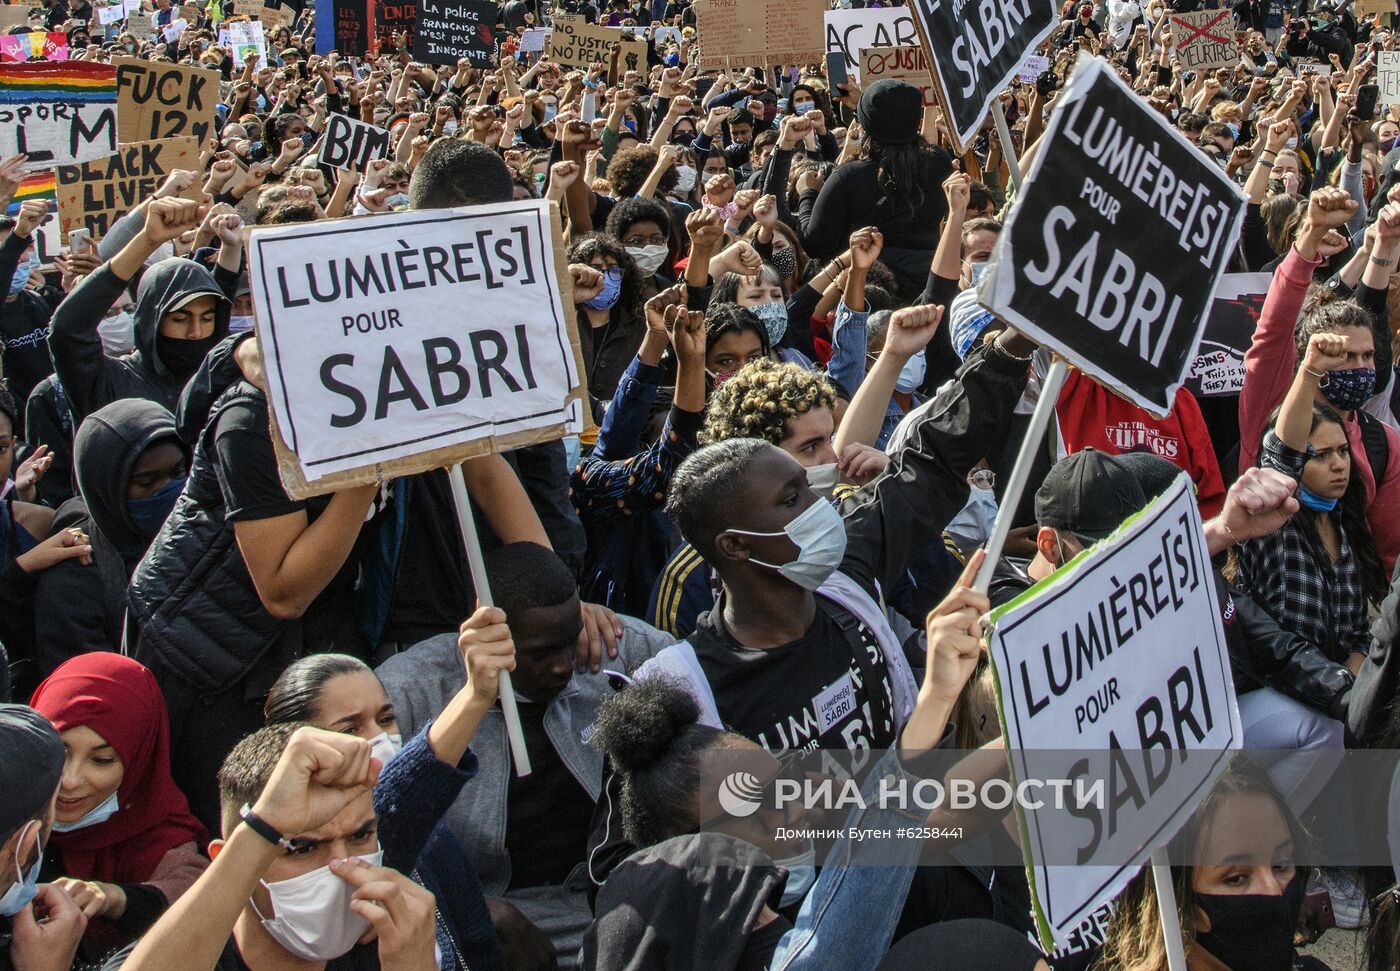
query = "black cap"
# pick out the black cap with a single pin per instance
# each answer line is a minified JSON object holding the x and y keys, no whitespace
{"x":891,"y":111}
{"x":31,"y":761}
{"x":1089,"y":494}
{"x":1154,"y":474}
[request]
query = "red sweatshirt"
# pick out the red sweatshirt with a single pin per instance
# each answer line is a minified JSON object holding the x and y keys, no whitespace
{"x":1091,"y":416}
{"x":1269,"y":366}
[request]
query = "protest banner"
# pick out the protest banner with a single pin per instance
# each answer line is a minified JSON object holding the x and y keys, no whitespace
{"x":1115,"y":669}
{"x":977,"y":49}
{"x":349,"y":143}
{"x":162,"y":100}
{"x":1205,"y":39}
{"x":1218,"y":368}
{"x":852,"y":31}
{"x":1388,"y":76}
{"x":58,"y":113}
{"x":1113,"y":249}
{"x":140,"y":26}
{"x":756,"y":33}
{"x":389,"y":18}
{"x":37,"y":45}
{"x":581,"y":45}
{"x":245,"y":37}
{"x":98,"y":193}
{"x":35,"y":185}
{"x":453,"y":29}
{"x":900,"y":63}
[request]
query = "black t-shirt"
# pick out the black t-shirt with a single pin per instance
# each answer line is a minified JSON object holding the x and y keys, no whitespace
{"x":548,"y":813}
{"x":830,"y":688}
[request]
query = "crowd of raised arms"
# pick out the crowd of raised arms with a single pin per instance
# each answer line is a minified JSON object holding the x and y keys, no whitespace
{"x":250,"y":732}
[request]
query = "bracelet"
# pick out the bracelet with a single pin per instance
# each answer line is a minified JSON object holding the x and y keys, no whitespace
{"x":1317,"y":374}
{"x":1380,"y":262}
{"x":263,"y":828}
{"x":1229,"y":532}
{"x":1267,"y":152}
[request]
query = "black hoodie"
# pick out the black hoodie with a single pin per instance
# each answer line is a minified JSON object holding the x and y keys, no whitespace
{"x":82,"y":606}
{"x":90,"y":378}
{"x":688,"y":904}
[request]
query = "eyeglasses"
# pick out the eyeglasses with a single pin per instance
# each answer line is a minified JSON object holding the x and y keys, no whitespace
{"x":655,"y":240}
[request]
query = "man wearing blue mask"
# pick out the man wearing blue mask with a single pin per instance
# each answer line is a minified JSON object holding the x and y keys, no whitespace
{"x":24,"y":313}
{"x":41,"y":924}
{"x":131,"y":467}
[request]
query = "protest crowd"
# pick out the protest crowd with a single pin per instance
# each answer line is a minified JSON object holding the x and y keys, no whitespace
{"x":697,"y":382}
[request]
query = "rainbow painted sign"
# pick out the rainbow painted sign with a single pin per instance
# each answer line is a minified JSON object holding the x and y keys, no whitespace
{"x":58,"y":113}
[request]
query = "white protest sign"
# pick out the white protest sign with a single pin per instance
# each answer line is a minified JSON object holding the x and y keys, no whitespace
{"x":414,"y":339}
{"x":1205,"y":39}
{"x":58,"y":112}
{"x":1388,"y":76}
{"x":246,"y":37}
{"x":1033,"y":67}
{"x":1218,"y":369}
{"x":852,"y":31}
{"x":352,"y":144}
{"x":106,"y":16}
{"x":1115,"y":242}
{"x":1110,"y":672}
{"x":532,"y":41}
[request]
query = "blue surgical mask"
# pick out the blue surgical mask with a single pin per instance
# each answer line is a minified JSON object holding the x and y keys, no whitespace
{"x":26,"y":266}
{"x":612,"y":289}
{"x":775,"y":320}
{"x":1349,"y":388}
{"x":549,"y":112}
{"x":1311,"y":500}
{"x":150,"y":513}
{"x":1234,"y":130}
{"x":912,"y":374}
{"x":819,"y":534}
{"x":802,"y":107}
{"x":100,"y":814}
{"x":27,"y":887}
{"x":802,"y":875}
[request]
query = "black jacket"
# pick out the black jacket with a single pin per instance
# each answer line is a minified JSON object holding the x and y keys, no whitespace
{"x":24,"y":323}
{"x":83,"y":605}
{"x":1376,"y":682}
{"x":92,"y":379}
{"x":48,"y":420}
{"x":193,"y":609}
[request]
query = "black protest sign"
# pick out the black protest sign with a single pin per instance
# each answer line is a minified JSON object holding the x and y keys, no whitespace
{"x":1218,"y":370}
{"x":1116,"y":241}
{"x":351,"y":144}
{"x":156,"y":100}
{"x":977,"y":47}
{"x":452,"y":29}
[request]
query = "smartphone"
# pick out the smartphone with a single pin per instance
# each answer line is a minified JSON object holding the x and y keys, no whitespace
{"x":79,"y":239}
{"x":1366,"y":97}
{"x":836,"y":69}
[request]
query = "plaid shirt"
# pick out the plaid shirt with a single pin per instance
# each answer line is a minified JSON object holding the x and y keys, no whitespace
{"x":1297,"y":582}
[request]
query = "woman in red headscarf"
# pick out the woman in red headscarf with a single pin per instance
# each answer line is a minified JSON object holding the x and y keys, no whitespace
{"x":124,"y":844}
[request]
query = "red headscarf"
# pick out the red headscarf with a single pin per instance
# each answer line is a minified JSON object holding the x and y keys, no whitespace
{"x":119,"y":699}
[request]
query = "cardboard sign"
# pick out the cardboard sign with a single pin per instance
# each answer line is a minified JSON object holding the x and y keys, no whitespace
{"x":157,"y":100}
{"x":1368,"y":8}
{"x":1033,"y":67}
{"x":189,"y":13}
{"x":350,"y":143}
{"x":14,"y":16}
{"x":1388,"y":76}
{"x":58,"y":113}
{"x":900,"y":63}
{"x":1205,"y":39}
{"x":140,"y":26}
{"x":852,"y":31}
{"x":1112,"y":669}
{"x":452,"y":29}
{"x":1116,"y":241}
{"x":979,"y":48}
{"x":748,"y":33}
{"x":97,"y":194}
{"x":369,"y":377}
{"x":582,"y":45}
{"x":1218,"y":369}
{"x":36,"y":45}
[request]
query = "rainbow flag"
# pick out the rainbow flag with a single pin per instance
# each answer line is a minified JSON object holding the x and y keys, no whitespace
{"x":66,"y":82}
{"x":40,"y":185}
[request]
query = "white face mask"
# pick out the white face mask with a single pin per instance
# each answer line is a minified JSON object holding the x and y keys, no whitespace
{"x":385,"y":746}
{"x":312,"y":916}
{"x":105,"y":811}
{"x":912,"y":374}
{"x":449,"y":127}
{"x":802,"y":875}
{"x":237,"y":325}
{"x":685,"y":180}
{"x":117,"y":333}
{"x":26,"y":888}
{"x":820,"y":537}
{"x":648,"y":258}
{"x":823,"y":478}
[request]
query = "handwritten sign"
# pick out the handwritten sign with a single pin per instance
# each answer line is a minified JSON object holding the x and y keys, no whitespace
{"x":98,"y":193}
{"x":352,"y":144}
{"x":162,"y":100}
{"x":452,"y":29}
{"x":59,"y":113}
{"x":582,"y":45}
{"x":1205,"y":39}
{"x":900,"y":64}
{"x":759,"y":32}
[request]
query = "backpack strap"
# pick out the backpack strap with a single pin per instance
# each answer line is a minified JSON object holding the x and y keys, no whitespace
{"x":1377,"y":444}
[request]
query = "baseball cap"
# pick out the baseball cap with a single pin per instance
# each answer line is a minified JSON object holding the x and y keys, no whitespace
{"x":1089,"y":494}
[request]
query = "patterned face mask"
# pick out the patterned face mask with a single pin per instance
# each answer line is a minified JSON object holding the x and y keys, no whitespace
{"x":1349,"y":388}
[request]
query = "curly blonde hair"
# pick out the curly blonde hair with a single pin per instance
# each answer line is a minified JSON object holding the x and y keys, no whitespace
{"x":760,"y":398}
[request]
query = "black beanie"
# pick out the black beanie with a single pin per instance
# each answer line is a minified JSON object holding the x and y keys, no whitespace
{"x":891,"y":112}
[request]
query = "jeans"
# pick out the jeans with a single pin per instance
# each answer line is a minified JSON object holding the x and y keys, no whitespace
{"x":1276,"y":722}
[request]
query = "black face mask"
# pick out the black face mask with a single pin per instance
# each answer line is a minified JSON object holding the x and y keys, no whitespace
{"x":1253,"y":932}
{"x":183,"y":357}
